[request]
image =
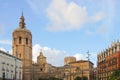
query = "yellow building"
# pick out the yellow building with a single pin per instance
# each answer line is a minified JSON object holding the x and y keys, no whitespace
{"x":84,"y":68}
{"x":71,"y":70}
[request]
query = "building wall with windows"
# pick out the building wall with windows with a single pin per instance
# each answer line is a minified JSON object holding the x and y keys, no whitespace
{"x":9,"y":65}
{"x":84,"y":68}
{"x":108,"y":61}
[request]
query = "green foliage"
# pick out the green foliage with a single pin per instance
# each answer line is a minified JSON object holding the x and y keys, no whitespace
{"x":115,"y":75}
{"x":51,"y":78}
{"x":42,"y":79}
{"x":81,"y":78}
{"x":78,"y":78}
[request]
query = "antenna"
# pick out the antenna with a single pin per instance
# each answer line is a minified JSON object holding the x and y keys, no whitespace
{"x":22,"y":11}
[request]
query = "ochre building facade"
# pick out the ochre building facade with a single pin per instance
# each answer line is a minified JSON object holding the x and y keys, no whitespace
{"x":80,"y":68}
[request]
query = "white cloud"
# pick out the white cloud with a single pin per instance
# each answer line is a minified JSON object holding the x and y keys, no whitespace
{"x":9,"y":51}
{"x":79,"y":56}
{"x":2,"y":49}
{"x":6,"y":42}
{"x":65,"y":16}
{"x":97,"y":17}
{"x":54,"y":57}
{"x":93,"y":57}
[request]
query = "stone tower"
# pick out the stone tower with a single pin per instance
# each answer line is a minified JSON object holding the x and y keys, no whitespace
{"x":69,"y":59}
{"x":41,"y":61}
{"x":22,"y":47}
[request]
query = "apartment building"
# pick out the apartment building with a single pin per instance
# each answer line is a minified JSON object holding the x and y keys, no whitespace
{"x":10,"y":67}
{"x":108,"y":61}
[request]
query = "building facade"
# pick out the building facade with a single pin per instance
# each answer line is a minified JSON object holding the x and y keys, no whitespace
{"x":108,"y":61}
{"x":10,"y":67}
{"x":41,"y":69}
{"x":22,"y":47}
{"x":84,"y":68}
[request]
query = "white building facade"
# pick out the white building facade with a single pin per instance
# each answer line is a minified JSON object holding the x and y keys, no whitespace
{"x":10,"y":67}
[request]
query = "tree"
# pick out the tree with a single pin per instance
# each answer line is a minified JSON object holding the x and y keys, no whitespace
{"x":115,"y":75}
{"x":81,"y":78}
{"x":51,"y":78}
{"x":85,"y":78}
{"x":54,"y":78}
{"x":78,"y":78}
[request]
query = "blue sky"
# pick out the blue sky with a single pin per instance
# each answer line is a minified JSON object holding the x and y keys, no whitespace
{"x":62,"y":27}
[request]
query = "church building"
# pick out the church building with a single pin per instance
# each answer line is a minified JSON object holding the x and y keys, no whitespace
{"x":22,"y":48}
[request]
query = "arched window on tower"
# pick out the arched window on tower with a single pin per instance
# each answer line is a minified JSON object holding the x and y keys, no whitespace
{"x":20,"y":40}
{"x":26,"y":40}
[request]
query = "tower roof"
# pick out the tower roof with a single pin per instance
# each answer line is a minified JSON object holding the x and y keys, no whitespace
{"x":22,"y":22}
{"x":41,"y":55}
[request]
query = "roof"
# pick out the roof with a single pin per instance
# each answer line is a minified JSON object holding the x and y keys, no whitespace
{"x":80,"y":61}
{"x":7,"y":54}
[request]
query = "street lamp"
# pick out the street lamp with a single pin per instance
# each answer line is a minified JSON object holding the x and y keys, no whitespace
{"x":88,"y":65}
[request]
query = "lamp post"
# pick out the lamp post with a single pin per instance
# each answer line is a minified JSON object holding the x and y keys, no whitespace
{"x":88,"y":65}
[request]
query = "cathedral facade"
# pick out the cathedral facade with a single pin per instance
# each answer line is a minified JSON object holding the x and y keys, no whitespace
{"x":22,"y":48}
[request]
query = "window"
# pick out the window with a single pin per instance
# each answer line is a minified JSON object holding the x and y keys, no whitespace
{"x":3,"y":75}
{"x":41,"y":69}
{"x":11,"y":76}
{"x":26,"y":40}
{"x":20,"y":55}
{"x":20,"y":40}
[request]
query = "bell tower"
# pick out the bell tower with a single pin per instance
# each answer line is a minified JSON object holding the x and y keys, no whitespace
{"x":22,"y":47}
